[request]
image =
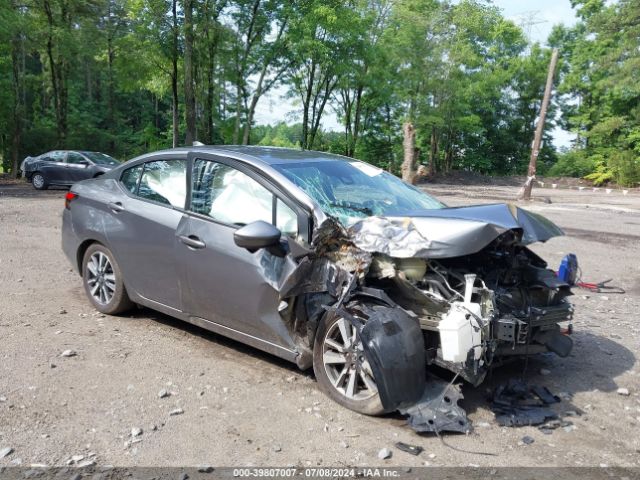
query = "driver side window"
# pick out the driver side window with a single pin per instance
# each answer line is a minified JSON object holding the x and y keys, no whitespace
{"x":232,"y":197}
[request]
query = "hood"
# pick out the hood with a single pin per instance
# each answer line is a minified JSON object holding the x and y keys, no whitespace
{"x":449,"y":232}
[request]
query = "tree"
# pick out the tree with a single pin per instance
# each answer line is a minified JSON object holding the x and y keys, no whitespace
{"x":129,"y":76}
{"x":320,"y":37}
{"x":599,"y":82}
{"x":189,"y":87}
{"x":16,"y":41}
{"x":362,"y":80}
{"x":274,"y":61}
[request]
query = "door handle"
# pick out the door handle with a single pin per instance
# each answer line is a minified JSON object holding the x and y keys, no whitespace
{"x":116,"y":207}
{"x":192,"y":241}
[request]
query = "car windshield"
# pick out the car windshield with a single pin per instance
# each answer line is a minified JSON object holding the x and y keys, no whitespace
{"x":100,"y":158}
{"x":353,"y":190}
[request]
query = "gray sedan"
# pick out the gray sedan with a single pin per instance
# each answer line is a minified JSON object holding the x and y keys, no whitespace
{"x":325,"y":261}
{"x":65,"y":167}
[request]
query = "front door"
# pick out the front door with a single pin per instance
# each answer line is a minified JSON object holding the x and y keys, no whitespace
{"x":227,"y":284}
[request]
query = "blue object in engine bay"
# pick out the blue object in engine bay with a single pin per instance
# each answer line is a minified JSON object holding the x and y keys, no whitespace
{"x":568,"y":270}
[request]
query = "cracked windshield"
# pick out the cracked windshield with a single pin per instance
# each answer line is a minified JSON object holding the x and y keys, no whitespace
{"x":350,"y":191}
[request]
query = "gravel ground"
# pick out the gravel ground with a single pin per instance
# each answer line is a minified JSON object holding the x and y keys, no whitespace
{"x":238,"y":406}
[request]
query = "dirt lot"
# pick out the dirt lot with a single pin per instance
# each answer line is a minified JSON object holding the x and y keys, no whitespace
{"x":243,"y":407}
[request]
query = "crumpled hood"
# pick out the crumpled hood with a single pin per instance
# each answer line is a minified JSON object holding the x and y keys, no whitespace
{"x":449,"y":232}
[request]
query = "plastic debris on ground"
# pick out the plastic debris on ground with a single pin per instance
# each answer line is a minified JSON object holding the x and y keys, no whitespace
{"x":411,"y":449}
{"x":517,"y":404}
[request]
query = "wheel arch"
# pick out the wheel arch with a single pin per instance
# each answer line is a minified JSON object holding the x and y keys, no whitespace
{"x":310,"y":309}
{"x":82,"y":249}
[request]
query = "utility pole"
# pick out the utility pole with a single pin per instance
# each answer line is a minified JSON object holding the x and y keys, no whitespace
{"x":528,"y":20}
{"x":535,"y":150}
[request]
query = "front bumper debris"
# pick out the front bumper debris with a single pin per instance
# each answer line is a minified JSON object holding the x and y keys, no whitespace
{"x":394,"y":346}
{"x":438,"y":409}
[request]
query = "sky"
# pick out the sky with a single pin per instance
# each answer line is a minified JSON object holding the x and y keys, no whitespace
{"x":542,"y":14}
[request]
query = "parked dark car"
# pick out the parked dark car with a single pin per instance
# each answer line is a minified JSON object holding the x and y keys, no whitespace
{"x":65,"y":167}
{"x":324,"y":261}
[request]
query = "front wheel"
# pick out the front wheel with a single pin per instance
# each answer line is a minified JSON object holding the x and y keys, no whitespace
{"x":341,"y":368}
{"x":103,"y":281}
{"x":39,"y":181}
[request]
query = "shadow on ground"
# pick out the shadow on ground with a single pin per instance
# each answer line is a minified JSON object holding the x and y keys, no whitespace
{"x":20,"y":188}
{"x":593,"y":365}
{"x":219,"y":339}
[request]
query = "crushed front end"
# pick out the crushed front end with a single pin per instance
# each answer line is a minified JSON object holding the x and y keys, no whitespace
{"x":454,"y":288}
{"x":478,"y":310}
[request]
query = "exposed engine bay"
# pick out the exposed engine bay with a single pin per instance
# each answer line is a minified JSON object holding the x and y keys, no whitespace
{"x":476,"y":309}
{"x":465,"y":299}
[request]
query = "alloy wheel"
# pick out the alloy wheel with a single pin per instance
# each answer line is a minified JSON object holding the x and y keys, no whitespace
{"x":38,"y":181}
{"x":345,"y":363}
{"x":101,"y":278}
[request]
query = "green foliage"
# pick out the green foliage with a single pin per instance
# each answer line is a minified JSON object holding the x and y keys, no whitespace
{"x":573,"y":163}
{"x":282,"y":135}
{"x":600,"y":88}
{"x":107,"y":75}
{"x":601,"y":174}
{"x":625,"y":168}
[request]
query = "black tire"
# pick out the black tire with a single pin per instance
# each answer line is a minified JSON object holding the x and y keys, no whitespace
{"x":367,"y":405}
{"x":98,"y":285}
{"x":39,"y":181}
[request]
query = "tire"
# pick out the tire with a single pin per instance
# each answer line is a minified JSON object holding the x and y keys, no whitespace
{"x":330,"y":375}
{"x":39,"y":181}
{"x":103,"y":282}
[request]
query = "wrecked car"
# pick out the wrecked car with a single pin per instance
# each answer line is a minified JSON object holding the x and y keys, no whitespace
{"x":327,"y":262}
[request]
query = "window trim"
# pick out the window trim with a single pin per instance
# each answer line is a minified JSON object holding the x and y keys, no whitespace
{"x":303,"y":216}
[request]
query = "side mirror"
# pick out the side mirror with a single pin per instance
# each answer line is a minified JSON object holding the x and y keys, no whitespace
{"x":84,"y":163}
{"x":257,"y":235}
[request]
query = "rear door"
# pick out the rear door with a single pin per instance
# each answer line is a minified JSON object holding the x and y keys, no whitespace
{"x":53,"y":166}
{"x":225,"y":283}
{"x":143,"y":230}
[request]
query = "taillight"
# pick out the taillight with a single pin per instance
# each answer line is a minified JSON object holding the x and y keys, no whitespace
{"x":68,"y":198}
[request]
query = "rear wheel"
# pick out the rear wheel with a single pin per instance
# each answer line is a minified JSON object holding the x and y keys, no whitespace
{"x":39,"y":181}
{"x":103,"y":281}
{"x":340,"y":366}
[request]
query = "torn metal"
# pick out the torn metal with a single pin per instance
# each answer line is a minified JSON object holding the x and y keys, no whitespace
{"x":455,"y":287}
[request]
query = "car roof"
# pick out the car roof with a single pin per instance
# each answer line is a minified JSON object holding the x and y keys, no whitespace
{"x":265,"y":155}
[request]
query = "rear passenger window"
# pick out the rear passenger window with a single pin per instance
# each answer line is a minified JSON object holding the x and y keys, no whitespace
{"x":164,"y":181}
{"x":130,"y":178}
{"x":56,"y":156}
